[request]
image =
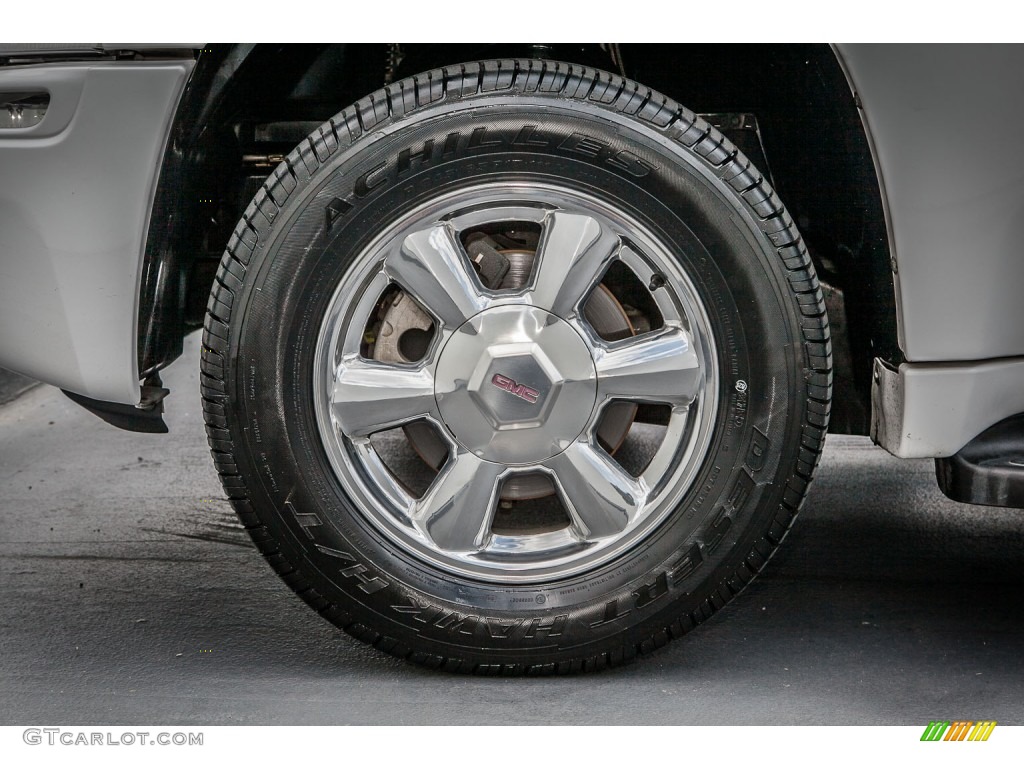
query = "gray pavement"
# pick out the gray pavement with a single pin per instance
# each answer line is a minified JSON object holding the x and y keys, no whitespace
{"x":12,"y":385}
{"x":131,"y":596}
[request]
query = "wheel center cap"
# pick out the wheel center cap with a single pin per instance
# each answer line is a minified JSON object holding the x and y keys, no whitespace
{"x":515,"y":385}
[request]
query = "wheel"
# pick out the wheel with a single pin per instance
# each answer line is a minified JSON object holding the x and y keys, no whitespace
{"x":516,"y":367}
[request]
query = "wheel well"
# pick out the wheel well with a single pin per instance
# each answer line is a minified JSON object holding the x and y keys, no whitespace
{"x":247,"y":105}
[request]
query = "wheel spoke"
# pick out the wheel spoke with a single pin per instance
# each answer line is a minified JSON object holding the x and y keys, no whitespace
{"x":431,"y":265}
{"x":457,"y":509}
{"x":660,"y":367}
{"x":573,"y":255}
{"x":601,"y":496}
{"x":370,"y":396}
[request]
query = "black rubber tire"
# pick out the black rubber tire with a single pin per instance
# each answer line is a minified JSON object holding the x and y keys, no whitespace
{"x":617,"y":139}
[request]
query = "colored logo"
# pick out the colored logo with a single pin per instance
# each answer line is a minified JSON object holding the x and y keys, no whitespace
{"x":522,"y":391}
{"x":958,"y":730}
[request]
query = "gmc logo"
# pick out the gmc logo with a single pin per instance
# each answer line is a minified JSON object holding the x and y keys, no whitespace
{"x":522,"y":391}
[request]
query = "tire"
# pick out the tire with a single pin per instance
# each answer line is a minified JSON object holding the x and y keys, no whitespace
{"x":533,"y":545}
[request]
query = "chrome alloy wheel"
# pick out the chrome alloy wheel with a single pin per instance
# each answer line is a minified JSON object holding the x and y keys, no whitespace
{"x":515,"y":383}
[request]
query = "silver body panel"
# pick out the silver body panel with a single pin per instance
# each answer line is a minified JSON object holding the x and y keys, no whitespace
{"x":929,"y":410}
{"x":50,"y":49}
{"x":944,"y":124}
{"x":74,"y":213}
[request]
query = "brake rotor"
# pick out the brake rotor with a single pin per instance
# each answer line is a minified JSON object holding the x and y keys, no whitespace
{"x":405,"y":334}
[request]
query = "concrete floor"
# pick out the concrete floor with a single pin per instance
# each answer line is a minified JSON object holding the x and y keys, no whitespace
{"x":131,"y":596}
{"x":12,"y":385}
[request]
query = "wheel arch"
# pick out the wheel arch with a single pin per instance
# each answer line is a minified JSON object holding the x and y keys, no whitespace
{"x":809,"y":125}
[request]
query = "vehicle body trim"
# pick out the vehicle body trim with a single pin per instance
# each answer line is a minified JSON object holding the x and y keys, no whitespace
{"x":839,"y":50}
{"x":75,"y":217}
{"x":952,"y":189}
{"x":925,"y":410}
